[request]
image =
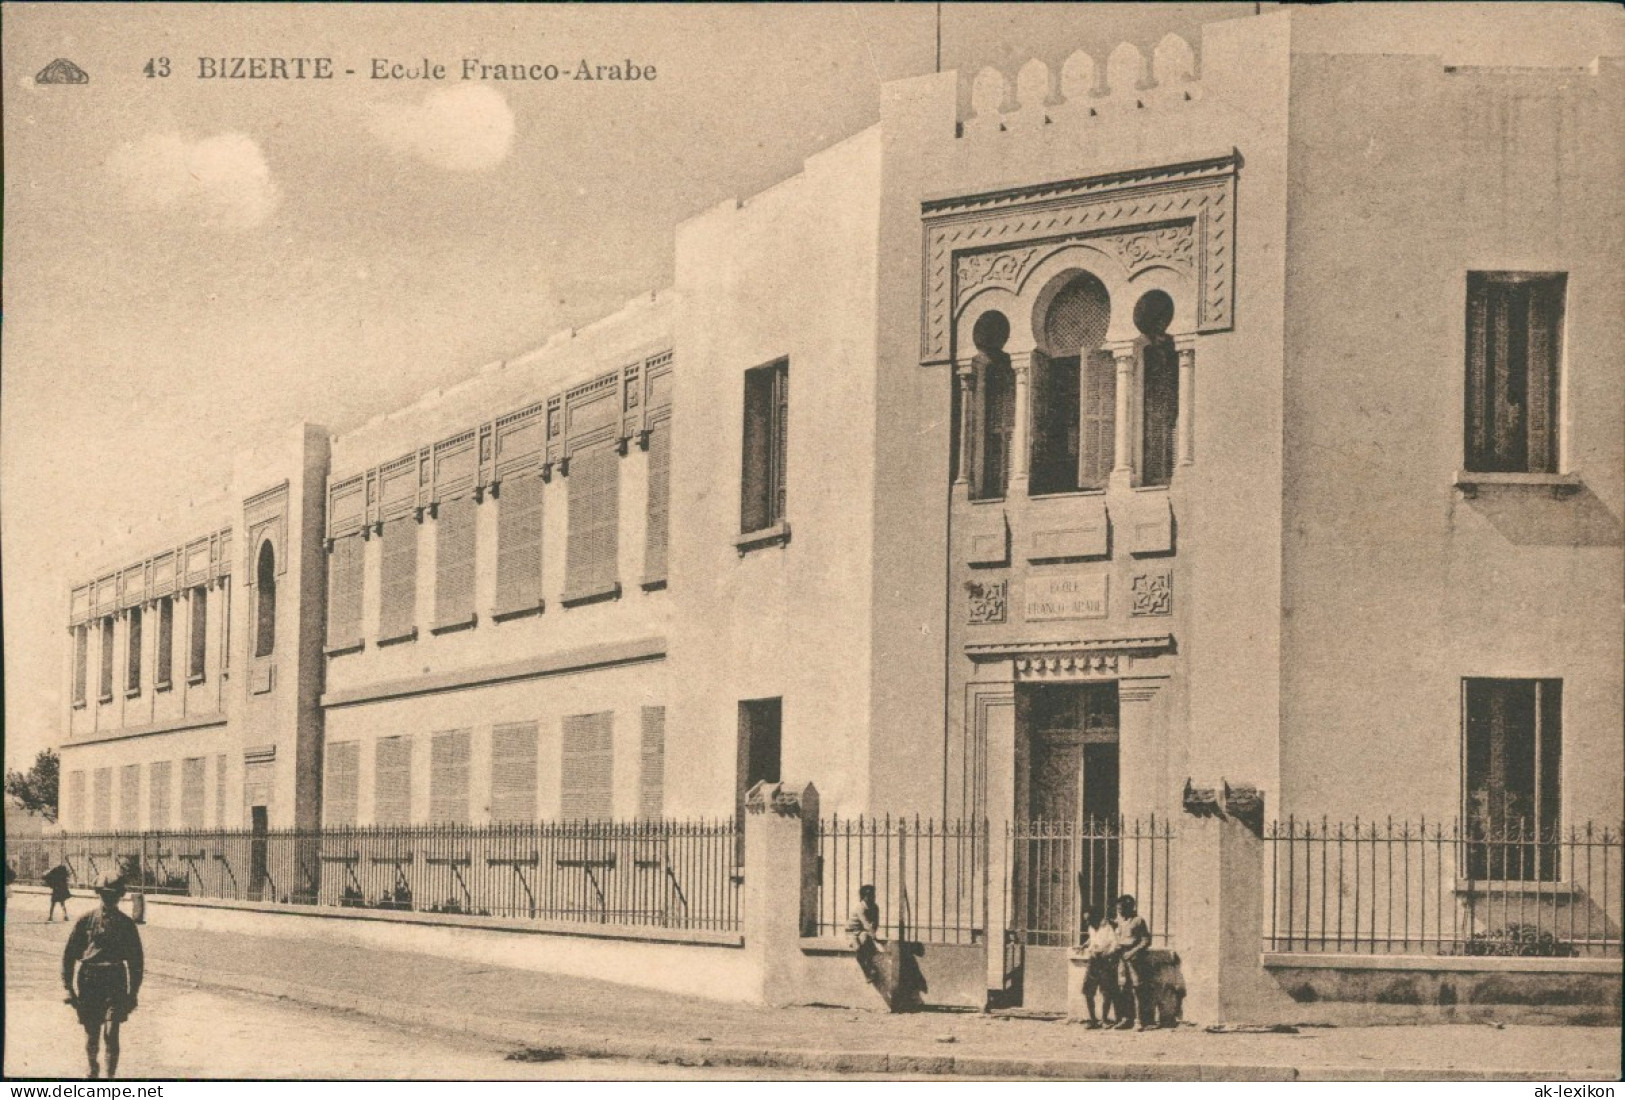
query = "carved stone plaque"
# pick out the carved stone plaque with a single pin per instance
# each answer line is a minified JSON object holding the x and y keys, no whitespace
{"x":1066,"y":596}
{"x":987,"y":600}
{"x":1152,"y":593}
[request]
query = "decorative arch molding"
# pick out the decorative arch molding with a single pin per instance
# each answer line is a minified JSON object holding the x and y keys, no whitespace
{"x":1180,"y":217}
{"x":265,"y":517}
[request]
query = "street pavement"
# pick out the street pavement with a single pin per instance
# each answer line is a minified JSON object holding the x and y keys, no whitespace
{"x":475,"y":1011}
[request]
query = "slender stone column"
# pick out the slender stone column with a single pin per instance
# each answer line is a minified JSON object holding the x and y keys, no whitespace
{"x":966,"y":374}
{"x":1123,"y":354}
{"x":1185,"y":431}
{"x":1021,"y":363}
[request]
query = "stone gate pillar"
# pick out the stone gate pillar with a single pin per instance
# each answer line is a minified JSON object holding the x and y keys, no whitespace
{"x":781,"y":885}
{"x":1219,"y":919}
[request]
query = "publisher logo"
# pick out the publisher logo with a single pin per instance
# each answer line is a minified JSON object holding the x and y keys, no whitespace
{"x":62,"y":71}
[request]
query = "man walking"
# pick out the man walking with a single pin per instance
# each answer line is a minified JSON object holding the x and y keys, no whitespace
{"x":57,"y":879}
{"x":101,"y":969}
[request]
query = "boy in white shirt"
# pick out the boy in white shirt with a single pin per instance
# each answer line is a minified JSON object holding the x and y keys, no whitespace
{"x":1100,"y":973}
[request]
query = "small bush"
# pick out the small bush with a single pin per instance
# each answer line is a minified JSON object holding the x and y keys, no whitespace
{"x":1518,"y":941}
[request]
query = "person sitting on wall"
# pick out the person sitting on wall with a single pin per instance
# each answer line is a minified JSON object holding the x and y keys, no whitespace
{"x":861,"y":929}
{"x":1100,"y":966}
{"x":1133,"y":937}
{"x":57,"y":879}
{"x":102,"y":967}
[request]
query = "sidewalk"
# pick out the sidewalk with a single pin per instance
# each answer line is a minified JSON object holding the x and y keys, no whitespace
{"x":583,"y":1018}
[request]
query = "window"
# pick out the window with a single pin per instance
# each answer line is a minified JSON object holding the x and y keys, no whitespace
{"x":766,"y":446}
{"x":760,"y":745}
{"x":1514,"y":739}
{"x":652,"y":765}
{"x":398,"y":594}
{"x":105,"y":690}
{"x":594,"y":494}
{"x":587,"y":776}
{"x":998,"y":424}
{"x":81,"y":663}
{"x":345,"y":565}
{"x":265,"y":602}
{"x":198,"y":641}
{"x":102,"y":808}
{"x":73,"y":811}
{"x":225,"y":626}
{"x":1159,"y":388}
{"x":513,"y":773}
{"x":163,"y":665}
{"x":659,"y":514}
{"x":519,"y":545}
{"x":158,"y":794}
{"x":132,"y":657}
{"x":392,"y":793}
{"x":448,"y":778}
{"x":343,"y":787}
{"x":1074,"y":398}
{"x":1514,"y":345}
{"x":192,"y":792}
{"x":129,"y":797}
{"x":454,"y":565}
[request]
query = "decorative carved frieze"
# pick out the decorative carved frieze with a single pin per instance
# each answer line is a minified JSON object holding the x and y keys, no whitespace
{"x":1071,"y":659}
{"x":204,"y":560}
{"x":988,"y":600}
{"x":265,"y":515}
{"x":622,"y":405}
{"x":777,"y":798}
{"x":1152,"y":593}
{"x":1182,"y":215}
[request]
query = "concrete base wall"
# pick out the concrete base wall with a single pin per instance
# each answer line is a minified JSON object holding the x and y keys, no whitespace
{"x":704,"y":968}
{"x":1390,"y":990}
{"x":955,"y":975}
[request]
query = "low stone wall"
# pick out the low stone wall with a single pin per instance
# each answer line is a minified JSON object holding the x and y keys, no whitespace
{"x":955,"y":975}
{"x":1392,"y":989}
{"x":698,"y":964}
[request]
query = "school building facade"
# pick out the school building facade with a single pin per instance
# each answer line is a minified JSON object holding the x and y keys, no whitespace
{"x":1146,"y":426}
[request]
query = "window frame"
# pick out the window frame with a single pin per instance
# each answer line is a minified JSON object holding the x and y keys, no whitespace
{"x":764,"y":443}
{"x":1480,"y":459}
{"x":1480,"y":853}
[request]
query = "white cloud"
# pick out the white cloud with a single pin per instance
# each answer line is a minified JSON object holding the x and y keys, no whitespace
{"x":222,"y":179}
{"x":466,"y":128}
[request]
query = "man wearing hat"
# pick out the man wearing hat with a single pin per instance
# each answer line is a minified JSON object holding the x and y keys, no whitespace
{"x":105,"y":947}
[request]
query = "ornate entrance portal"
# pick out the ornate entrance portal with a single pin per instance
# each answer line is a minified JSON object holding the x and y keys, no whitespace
{"x":1068,"y":798}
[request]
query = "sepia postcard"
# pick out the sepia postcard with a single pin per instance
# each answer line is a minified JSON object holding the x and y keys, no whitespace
{"x":833,"y":543}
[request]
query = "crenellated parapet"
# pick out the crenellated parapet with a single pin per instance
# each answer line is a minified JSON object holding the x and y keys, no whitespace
{"x":1087,"y":91}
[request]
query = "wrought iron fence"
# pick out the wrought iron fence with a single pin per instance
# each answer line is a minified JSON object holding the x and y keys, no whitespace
{"x":930,"y":877}
{"x":1059,"y":868}
{"x":1441,"y":889}
{"x":672,"y":874}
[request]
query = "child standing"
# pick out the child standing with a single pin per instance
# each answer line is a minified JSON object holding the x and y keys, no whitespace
{"x":1100,"y":968}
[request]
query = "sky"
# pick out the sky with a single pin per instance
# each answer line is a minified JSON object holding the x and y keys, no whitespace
{"x":191,"y":265}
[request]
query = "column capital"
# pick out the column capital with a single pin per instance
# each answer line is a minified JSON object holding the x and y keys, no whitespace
{"x":1123,"y":352}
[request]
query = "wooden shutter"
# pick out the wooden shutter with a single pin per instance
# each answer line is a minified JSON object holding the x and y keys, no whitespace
{"x":81,"y":663}
{"x":448,"y":778}
{"x":220,"y":818}
{"x":199,"y":640}
{"x":1098,"y":431}
{"x":158,"y":796}
{"x":454,"y":563}
{"x":1479,"y":400}
{"x":105,"y":687}
{"x":513,"y":772}
{"x":1159,"y":378}
{"x":397,"y":616}
{"x":652,"y":766}
{"x":1545,"y":327}
{"x":225,"y":627}
{"x":590,"y":559}
{"x":132,"y":656}
{"x":392,"y":797}
{"x":755,"y":483}
{"x":164,"y":671}
{"x":129,"y":797}
{"x":587,"y":777}
{"x":659,"y":515}
{"x":342,"y":790}
{"x":781,"y":440}
{"x":192,"y":796}
{"x":519,"y":544}
{"x":102,"y":809}
{"x":73,"y":816}
{"x":345,"y":565}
